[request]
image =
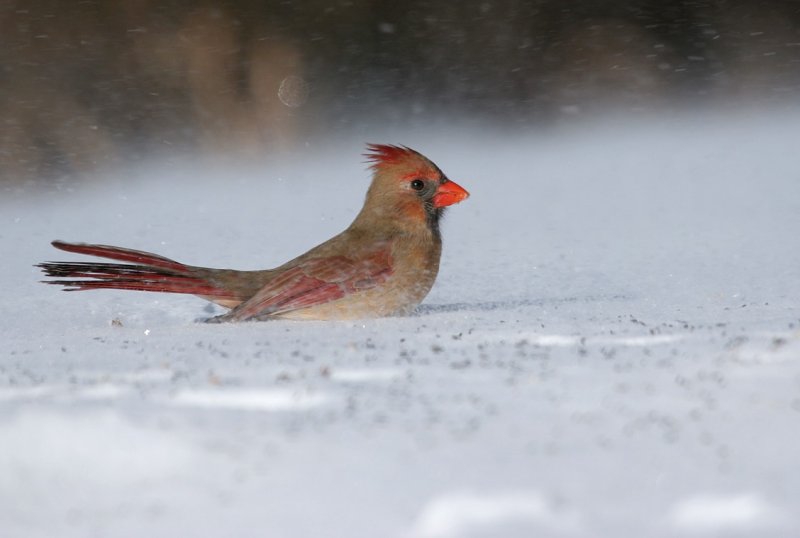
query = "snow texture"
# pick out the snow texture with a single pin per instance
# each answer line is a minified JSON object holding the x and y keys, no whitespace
{"x":612,"y":348}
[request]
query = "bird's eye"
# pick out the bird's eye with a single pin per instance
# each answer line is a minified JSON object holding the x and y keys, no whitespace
{"x":417,"y":184}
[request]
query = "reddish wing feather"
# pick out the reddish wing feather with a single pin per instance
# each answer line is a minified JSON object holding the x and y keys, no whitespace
{"x":314,"y":282}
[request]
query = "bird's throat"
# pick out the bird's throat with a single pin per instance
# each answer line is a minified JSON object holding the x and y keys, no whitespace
{"x":432,"y":217}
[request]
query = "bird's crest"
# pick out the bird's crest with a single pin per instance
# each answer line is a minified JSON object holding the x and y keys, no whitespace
{"x":383,"y":154}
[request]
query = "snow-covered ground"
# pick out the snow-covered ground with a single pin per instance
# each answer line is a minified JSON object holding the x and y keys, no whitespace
{"x":612,"y":348}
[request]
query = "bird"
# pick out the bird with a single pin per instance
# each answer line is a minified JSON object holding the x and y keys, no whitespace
{"x":383,"y":264}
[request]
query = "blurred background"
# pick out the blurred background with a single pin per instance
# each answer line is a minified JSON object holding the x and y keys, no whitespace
{"x":88,"y":84}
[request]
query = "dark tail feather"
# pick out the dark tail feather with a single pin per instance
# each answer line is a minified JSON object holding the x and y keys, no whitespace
{"x":121,"y":254}
{"x":151,"y":273}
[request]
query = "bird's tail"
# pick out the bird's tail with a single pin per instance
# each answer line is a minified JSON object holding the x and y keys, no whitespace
{"x":144,"y":272}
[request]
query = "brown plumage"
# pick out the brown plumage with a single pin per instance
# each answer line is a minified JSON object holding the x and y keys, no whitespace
{"x":383,"y":264}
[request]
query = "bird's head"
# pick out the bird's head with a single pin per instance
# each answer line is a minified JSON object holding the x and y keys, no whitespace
{"x":406,"y":185}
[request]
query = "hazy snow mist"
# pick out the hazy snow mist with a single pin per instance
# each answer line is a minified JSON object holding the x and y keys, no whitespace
{"x":612,"y":348}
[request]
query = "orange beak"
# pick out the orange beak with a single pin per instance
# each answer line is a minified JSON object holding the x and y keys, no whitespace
{"x":449,"y":193}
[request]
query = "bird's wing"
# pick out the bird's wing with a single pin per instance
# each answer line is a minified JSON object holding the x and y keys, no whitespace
{"x":316,"y":281}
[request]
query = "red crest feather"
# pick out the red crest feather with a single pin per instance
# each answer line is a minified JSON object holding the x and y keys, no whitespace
{"x":383,"y":154}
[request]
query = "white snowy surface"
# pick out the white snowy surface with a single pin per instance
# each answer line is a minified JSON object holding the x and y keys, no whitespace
{"x":612,"y":348}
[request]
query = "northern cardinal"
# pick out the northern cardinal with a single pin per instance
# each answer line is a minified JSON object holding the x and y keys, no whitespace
{"x":383,"y":264}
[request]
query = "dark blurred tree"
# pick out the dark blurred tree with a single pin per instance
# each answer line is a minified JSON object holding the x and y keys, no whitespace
{"x":83,"y":83}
